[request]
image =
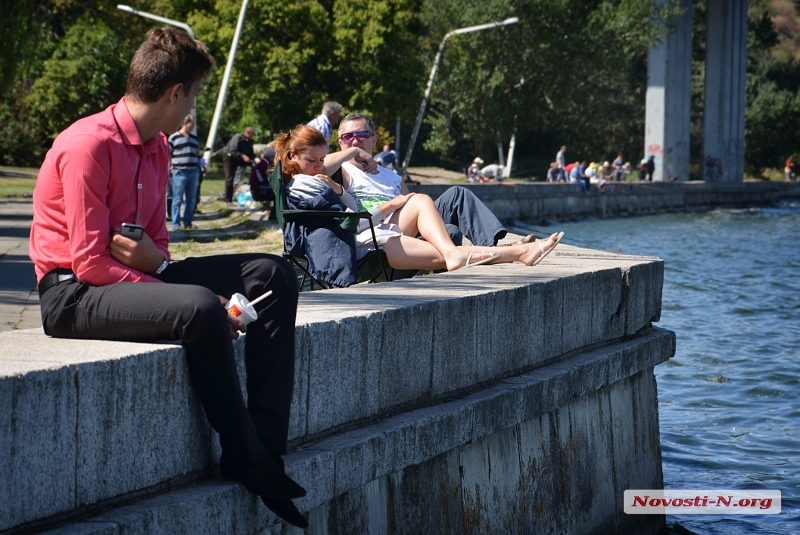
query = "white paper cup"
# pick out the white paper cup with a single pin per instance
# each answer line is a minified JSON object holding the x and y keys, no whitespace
{"x":240,"y":307}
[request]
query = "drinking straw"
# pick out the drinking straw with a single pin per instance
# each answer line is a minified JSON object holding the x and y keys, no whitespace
{"x":258,"y":299}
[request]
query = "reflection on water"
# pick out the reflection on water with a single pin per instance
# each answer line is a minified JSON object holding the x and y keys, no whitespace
{"x":728,"y":400}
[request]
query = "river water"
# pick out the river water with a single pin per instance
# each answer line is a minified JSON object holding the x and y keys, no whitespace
{"x":729,"y":401}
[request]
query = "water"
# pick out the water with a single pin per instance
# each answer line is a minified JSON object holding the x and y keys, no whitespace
{"x":729,"y":400}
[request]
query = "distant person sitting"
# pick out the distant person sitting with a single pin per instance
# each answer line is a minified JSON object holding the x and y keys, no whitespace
{"x":259,"y":184}
{"x":608,"y":173}
{"x":327,"y":120}
{"x":493,"y":172}
{"x":553,"y":173}
{"x":387,"y":158}
{"x":788,"y":171}
{"x":474,"y":174}
{"x":617,"y":165}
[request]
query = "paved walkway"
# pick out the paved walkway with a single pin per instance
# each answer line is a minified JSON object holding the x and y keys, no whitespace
{"x":19,"y":301}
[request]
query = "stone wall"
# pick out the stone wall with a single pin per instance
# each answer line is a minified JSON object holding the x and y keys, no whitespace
{"x":537,"y":202}
{"x":483,"y":398}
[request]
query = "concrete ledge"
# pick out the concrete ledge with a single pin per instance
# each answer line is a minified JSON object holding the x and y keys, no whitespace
{"x":561,"y":202}
{"x":88,"y":422}
{"x":568,"y":402}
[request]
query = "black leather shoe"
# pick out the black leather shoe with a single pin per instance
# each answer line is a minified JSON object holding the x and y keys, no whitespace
{"x":265,"y":480}
{"x":286,"y":510}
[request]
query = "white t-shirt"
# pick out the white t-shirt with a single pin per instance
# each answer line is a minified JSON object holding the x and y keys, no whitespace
{"x":370,"y":191}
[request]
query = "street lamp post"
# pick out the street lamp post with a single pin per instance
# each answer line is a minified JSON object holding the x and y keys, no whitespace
{"x":424,"y":104}
{"x":212,"y":132}
{"x":179,"y":24}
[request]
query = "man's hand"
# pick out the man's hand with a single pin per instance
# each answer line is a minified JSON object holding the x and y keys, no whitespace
{"x":245,"y":158}
{"x":235,"y":325}
{"x":365,"y":161}
{"x":142,"y":255}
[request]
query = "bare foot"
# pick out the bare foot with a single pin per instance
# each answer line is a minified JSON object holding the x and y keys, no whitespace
{"x":459,"y":258}
{"x":533,"y":251}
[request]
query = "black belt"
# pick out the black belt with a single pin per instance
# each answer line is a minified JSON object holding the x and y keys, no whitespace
{"x":54,"y":278}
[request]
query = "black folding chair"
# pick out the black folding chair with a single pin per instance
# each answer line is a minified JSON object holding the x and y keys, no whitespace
{"x":373,"y":267}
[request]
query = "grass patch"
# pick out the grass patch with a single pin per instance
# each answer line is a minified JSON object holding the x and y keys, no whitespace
{"x":13,"y":187}
{"x":225,"y":231}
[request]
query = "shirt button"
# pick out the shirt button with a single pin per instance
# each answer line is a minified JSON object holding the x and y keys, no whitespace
{"x":139,"y":186}
{"x":138,"y":216}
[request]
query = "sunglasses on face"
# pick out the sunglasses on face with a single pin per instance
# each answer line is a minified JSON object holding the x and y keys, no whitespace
{"x":361,"y":135}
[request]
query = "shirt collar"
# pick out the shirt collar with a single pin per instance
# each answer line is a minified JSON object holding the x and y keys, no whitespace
{"x":127,"y":127}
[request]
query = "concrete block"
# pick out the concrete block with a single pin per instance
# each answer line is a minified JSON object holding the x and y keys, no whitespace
{"x":298,"y":416}
{"x":85,"y":528}
{"x":202,"y":508}
{"x":608,"y":305}
{"x":442,"y":427}
{"x":343,"y":381}
{"x":496,"y":408}
{"x":515,"y":319}
{"x":405,"y":369}
{"x":460,"y":327}
{"x":577,"y":314}
{"x":139,"y":421}
{"x":37,"y":444}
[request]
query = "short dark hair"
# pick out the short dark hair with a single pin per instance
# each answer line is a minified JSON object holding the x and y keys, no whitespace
{"x":357,"y":117}
{"x":167,"y":57}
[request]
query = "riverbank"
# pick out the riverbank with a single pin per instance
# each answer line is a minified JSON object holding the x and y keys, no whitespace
{"x":541,"y":202}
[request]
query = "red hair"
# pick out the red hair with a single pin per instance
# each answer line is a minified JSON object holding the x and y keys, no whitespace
{"x":298,"y":140}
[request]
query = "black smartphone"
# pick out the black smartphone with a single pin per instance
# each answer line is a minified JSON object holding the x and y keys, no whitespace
{"x":134,"y":232}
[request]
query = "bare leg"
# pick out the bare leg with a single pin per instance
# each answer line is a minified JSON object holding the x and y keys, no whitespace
{"x":420,"y":216}
{"x":405,"y":252}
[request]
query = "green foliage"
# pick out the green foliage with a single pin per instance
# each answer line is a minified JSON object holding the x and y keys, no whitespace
{"x":573,"y":72}
{"x":85,"y":74}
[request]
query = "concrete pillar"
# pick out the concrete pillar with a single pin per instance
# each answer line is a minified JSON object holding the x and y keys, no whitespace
{"x":726,"y":64}
{"x":669,"y":98}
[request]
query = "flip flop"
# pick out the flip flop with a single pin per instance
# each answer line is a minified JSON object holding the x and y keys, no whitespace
{"x":480,"y":262}
{"x":526,"y":239}
{"x":546,"y":252}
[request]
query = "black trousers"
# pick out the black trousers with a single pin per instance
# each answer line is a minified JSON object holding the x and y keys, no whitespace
{"x":186,"y":308}
{"x":230,"y":174}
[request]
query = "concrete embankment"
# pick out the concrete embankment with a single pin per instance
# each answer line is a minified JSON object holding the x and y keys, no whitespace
{"x":562,"y":202}
{"x":496,"y":399}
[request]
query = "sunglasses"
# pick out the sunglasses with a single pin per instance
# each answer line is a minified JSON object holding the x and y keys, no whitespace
{"x":350,"y":136}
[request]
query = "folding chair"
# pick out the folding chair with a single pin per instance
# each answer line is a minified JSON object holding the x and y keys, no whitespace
{"x":373,"y":267}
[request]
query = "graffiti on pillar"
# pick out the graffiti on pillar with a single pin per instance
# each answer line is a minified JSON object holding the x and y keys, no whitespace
{"x":654,"y":149}
{"x":712,"y":170}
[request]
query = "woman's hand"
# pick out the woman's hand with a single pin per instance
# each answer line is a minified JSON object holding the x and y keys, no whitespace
{"x":365,"y":161}
{"x":395,"y":204}
{"x":337,"y":188}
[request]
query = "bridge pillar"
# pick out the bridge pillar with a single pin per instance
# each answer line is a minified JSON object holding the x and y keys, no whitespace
{"x":669,"y":97}
{"x":726,"y":65}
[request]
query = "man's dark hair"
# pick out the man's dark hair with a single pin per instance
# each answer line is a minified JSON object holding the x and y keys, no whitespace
{"x":167,"y":57}
{"x":358,"y":116}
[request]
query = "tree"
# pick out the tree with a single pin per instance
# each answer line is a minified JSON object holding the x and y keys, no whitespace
{"x":574,"y":70}
{"x":86,"y":73}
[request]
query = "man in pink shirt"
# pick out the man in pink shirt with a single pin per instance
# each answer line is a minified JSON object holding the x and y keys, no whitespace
{"x":111,"y":168}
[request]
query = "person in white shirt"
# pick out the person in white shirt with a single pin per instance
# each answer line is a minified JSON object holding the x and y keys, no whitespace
{"x":325,"y":122}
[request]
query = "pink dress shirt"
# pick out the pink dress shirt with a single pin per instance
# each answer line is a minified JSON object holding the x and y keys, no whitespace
{"x":98,"y":175}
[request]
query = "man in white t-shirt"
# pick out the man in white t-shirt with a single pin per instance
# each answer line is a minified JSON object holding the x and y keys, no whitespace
{"x":463,"y":213}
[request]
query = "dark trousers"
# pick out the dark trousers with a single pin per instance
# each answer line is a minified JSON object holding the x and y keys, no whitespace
{"x":465,"y":215}
{"x":186,"y":308}
{"x":230,"y":174}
